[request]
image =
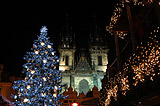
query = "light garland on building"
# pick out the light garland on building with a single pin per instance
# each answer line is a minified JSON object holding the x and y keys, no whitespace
{"x":141,"y":64}
{"x":121,"y":34}
{"x":111,"y":92}
{"x":124,"y":85}
{"x":117,"y":14}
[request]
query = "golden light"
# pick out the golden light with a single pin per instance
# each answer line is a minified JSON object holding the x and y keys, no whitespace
{"x":74,"y":104}
{"x":54,"y":95}
{"x":55,"y":87}
{"x":44,"y":61}
{"x":25,"y":100}
{"x":44,"y":78}
{"x":33,"y":71}
{"x":28,"y":87}
{"x":42,"y":43}
{"x":49,"y":46}
{"x":52,"y":53}
{"x":141,"y":64}
{"x":36,"y":52}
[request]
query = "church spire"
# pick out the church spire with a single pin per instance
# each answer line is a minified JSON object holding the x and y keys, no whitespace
{"x":96,"y":38}
{"x":67,"y":26}
{"x":67,"y":35}
{"x":95,"y":31}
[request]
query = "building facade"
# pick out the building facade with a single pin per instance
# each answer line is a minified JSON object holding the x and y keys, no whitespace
{"x":83,"y":68}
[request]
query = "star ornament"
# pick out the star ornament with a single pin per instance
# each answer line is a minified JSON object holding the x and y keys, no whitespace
{"x":43,"y":29}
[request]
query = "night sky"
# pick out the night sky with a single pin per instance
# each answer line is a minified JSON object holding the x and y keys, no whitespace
{"x":21,"y":24}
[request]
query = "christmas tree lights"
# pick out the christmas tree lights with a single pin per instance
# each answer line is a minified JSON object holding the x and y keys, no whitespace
{"x":41,"y":86}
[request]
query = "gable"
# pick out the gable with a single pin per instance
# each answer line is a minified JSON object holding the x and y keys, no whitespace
{"x":83,"y":65}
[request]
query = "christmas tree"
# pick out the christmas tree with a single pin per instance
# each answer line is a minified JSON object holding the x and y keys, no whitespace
{"x":41,"y":86}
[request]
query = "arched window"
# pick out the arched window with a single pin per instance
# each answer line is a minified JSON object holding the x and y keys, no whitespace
{"x":99,"y":60}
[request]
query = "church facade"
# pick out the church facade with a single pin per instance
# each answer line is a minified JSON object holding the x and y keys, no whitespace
{"x":83,"y":68}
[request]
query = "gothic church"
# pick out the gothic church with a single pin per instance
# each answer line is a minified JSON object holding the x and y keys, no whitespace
{"x":83,"y":68}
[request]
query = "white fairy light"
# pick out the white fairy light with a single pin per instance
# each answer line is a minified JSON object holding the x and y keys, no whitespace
{"x":42,"y":43}
{"x":52,"y":53}
{"x":32,"y":72}
{"x":25,"y":100}
{"x":44,"y":78}
{"x":49,"y":46}
{"x":28,"y":87}
{"x":36,"y":52}
{"x":44,"y":61}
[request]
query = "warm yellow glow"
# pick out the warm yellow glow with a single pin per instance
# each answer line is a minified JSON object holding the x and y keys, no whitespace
{"x":32,"y":72}
{"x":44,"y":61}
{"x":43,"y":94}
{"x":111,"y":92}
{"x":28,"y":87}
{"x":49,"y":46}
{"x":55,"y":87}
{"x":36,"y":52}
{"x":44,"y":78}
{"x":42,"y":43}
{"x":54,"y":95}
{"x":52,"y":53}
{"x":142,"y":65}
{"x":25,"y":100}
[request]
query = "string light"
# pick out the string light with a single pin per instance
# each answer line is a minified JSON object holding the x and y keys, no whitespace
{"x":141,"y":64}
{"x":122,"y":34}
{"x":42,"y":43}
{"x":49,"y":46}
{"x":111,"y":92}
{"x":52,"y":53}
{"x":117,"y":14}
{"x":25,"y":100}
{"x":44,"y":61}
{"x":36,"y":52}
{"x":32,"y":72}
{"x":28,"y":87}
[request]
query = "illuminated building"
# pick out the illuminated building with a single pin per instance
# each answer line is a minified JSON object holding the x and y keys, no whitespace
{"x":83,"y":68}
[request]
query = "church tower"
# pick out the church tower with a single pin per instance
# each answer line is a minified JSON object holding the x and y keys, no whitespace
{"x":98,"y":49}
{"x":67,"y":49}
{"x":82,"y":68}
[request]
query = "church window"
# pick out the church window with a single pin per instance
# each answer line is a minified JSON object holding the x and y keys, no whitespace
{"x":99,"y":60}
{"x":67,"y":61}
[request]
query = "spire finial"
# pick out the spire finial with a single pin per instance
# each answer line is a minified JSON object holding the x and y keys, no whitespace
{"x":67,"y":26}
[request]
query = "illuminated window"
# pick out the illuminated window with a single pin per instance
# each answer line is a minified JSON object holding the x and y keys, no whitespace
{"x":67,"y":61}
{"x":99,"y":60}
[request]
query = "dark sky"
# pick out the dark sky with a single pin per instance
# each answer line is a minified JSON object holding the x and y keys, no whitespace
{"x":21,"y":24}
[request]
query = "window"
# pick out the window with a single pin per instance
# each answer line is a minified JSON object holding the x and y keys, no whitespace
{"x":99,"y":60}
{"x":67,"y":61}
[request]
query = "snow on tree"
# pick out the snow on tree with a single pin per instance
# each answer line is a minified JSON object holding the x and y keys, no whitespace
{"x":41,"y":86}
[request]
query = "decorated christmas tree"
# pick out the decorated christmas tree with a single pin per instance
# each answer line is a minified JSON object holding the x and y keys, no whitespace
{"x":41,"y":86}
